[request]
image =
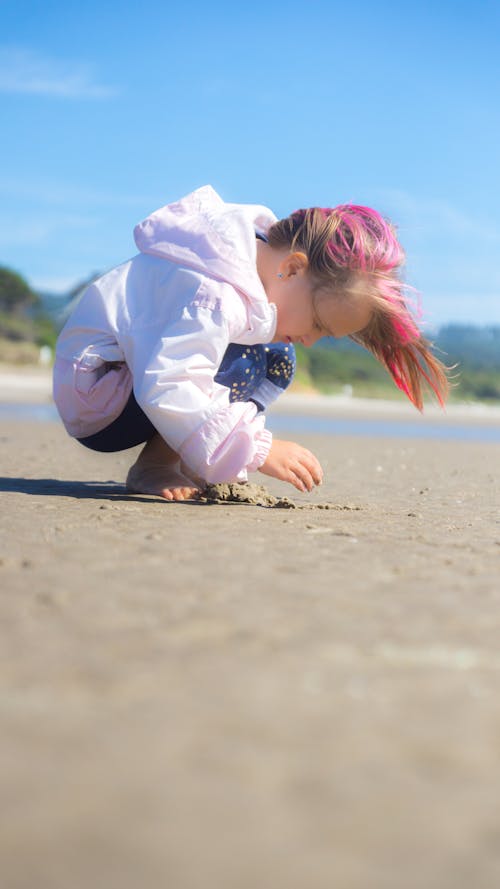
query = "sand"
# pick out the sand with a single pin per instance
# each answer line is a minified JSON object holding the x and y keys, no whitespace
{"x":246,"y":494}
{"x":231,"y":697}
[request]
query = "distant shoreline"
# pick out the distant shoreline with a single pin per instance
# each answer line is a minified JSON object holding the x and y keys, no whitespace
{"x":33,"y":385}
{"x":380,"y":407}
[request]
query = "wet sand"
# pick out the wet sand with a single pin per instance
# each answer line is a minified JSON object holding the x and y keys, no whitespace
{"x":230,"y":697}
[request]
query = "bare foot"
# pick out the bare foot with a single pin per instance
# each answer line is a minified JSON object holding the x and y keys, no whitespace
{"x":157,"y":471}
{"x":164,"y":481}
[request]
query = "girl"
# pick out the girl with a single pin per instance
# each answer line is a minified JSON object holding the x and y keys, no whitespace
{"x":143,"y":357}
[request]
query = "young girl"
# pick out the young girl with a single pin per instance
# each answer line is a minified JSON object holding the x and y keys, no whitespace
{"x":167,"y":349}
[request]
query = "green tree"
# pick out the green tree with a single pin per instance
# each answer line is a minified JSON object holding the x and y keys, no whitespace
{"x":22,"y":318}
{"x":16,"y":296}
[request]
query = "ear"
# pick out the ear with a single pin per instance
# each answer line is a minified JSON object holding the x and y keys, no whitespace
{"x":294,"y":263}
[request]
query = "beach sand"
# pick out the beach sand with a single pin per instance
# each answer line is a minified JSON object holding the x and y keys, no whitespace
{"x":231,"y":697}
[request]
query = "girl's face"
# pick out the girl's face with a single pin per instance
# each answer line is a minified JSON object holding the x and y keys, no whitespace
{"x":305,"y":318}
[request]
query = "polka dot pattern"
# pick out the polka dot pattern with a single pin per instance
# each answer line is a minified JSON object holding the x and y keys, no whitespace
{"x":281,"y":363}
{"x":244,"y":368}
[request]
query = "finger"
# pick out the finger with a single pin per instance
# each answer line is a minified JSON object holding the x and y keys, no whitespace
{"x":305,"y":476}
{"x":297,"y":482}
{"x":314,"y":467}
{"x":302,"y":473}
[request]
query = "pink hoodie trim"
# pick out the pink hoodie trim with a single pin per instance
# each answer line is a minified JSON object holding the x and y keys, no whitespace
{"x":222,"y":446}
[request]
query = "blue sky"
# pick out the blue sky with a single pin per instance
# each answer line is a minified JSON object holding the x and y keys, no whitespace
{"x":110,"y":110}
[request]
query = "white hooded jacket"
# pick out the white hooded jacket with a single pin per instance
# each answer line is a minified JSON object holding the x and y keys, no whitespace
{"x":163,"y":321}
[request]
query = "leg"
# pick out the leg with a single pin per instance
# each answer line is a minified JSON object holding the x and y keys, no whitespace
{"x":157,"y":470}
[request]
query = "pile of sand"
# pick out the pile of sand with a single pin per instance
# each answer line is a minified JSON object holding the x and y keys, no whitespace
{"x":255,"y":495}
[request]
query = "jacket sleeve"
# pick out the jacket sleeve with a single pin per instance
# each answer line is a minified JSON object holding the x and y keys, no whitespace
{"x":174,"y":384}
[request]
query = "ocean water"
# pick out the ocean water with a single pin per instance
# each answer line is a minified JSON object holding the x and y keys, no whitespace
{"x":295,"y":424}
{"x":42,"y":413}
{"x":282,"y":424}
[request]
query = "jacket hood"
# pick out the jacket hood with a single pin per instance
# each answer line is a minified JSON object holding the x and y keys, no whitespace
{"x":204,"y":233}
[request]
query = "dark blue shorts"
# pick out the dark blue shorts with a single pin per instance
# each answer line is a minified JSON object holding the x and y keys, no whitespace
{"x":131,"y":428}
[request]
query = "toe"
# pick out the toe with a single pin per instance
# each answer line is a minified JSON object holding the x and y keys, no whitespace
{"x":181,"y":493}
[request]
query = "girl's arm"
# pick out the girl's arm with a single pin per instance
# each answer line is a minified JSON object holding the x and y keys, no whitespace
{"x":174,"y":384}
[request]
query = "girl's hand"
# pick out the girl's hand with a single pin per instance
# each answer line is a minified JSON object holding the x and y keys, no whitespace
{"x":292,"y":463}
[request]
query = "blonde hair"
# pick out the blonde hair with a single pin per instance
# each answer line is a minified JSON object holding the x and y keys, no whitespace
{"x":350,"y":243}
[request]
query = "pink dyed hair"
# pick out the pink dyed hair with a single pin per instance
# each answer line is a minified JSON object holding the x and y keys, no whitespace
{"x":350,"y":244}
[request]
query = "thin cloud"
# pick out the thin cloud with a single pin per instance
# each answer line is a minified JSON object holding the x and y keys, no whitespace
{"x":40,"y":231}
{"x":24,"y":71}
{"x":60,"y":193}
{"x":434,"y":215}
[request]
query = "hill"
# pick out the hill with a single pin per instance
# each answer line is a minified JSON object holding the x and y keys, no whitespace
{"x":25,"y":325}
{"x":473,"y":351}
{"x":31,"y":318}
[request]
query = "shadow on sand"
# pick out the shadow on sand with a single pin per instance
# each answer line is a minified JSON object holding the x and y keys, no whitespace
{"x":52,"y":487}
{"x":111,"y":491}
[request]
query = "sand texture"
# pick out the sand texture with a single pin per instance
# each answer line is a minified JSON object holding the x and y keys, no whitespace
{"x":247,"y":493}
{"x":203,"y":696}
